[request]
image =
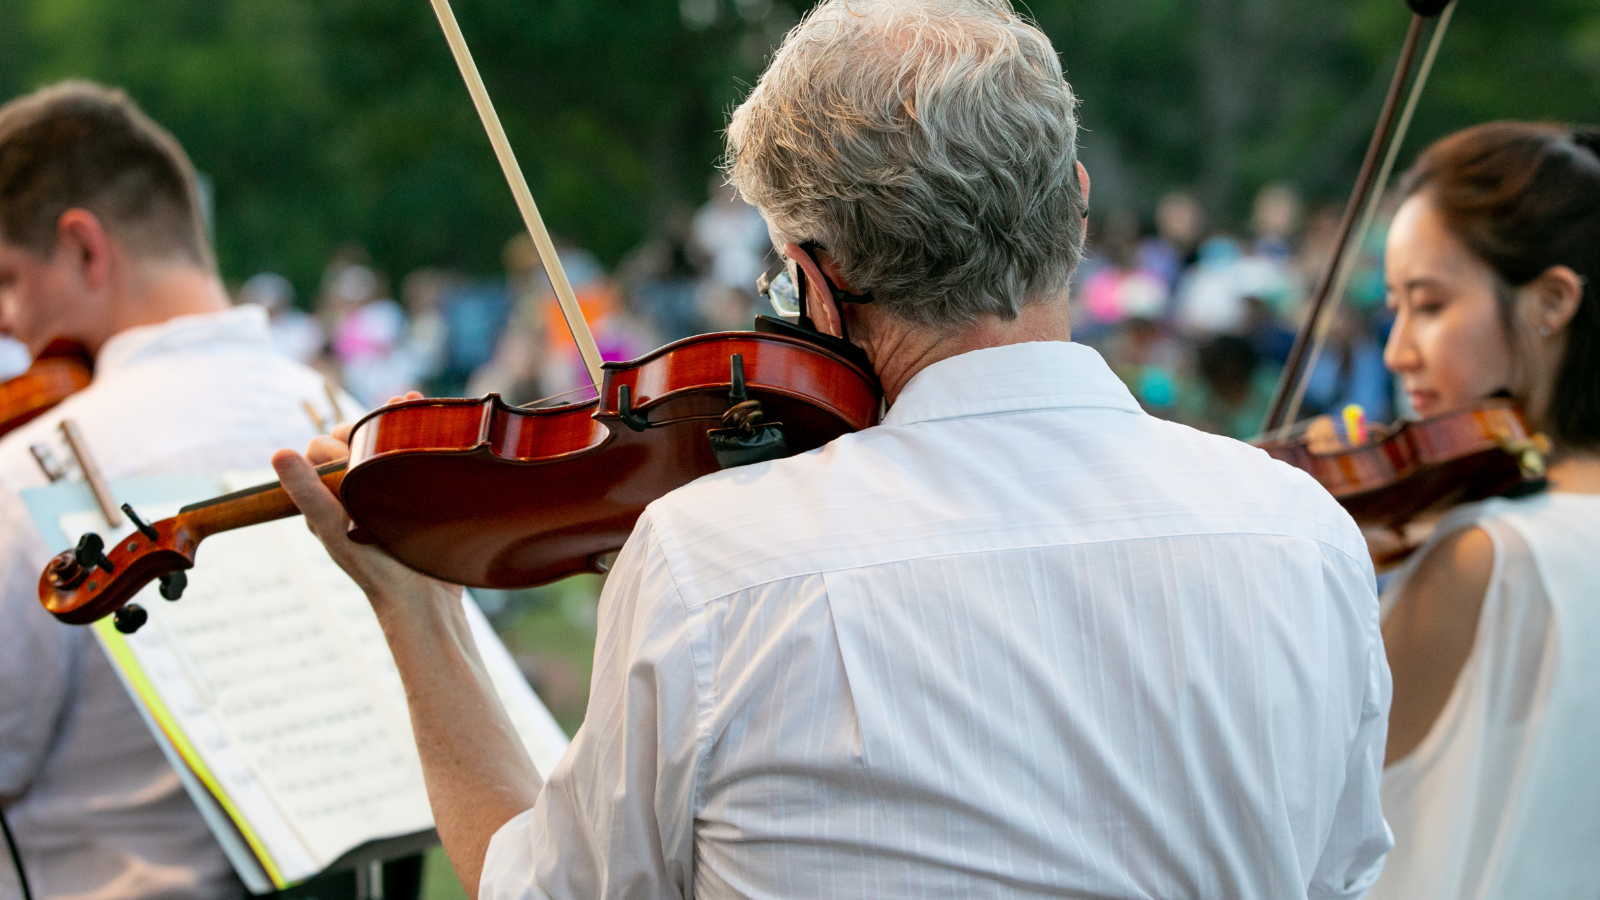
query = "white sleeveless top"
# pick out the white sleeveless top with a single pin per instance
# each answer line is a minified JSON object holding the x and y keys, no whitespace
{"x":1502,"y":798}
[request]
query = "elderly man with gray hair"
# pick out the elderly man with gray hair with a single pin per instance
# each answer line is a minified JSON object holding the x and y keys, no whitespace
{"x":1019,"y":640}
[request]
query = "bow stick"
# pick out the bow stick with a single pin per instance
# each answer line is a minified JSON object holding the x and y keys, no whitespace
{"x":519,"y":189}
{"x":1348,"y":267}
{"x":1364,"y":201}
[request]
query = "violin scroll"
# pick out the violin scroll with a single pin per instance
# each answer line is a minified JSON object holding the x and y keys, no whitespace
{"x":90,"y":581}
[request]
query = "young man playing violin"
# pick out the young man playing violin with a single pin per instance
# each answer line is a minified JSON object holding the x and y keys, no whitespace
{"x":102,"y":243}
{"x":1019,"y":640}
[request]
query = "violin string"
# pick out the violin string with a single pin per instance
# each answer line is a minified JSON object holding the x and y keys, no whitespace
{"x":1347,"y":265}
{"x":570,"y":310}
{"x":544,"y":402}
{"x":1294,"y":368}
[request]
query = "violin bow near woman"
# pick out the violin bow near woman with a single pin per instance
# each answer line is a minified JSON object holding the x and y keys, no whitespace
{"x":480,"y":493}
{"x":1390,"y":476}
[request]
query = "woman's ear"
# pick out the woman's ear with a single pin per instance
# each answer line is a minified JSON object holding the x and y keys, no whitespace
{"x":1557,"y":292}
{"x":820,"y":307}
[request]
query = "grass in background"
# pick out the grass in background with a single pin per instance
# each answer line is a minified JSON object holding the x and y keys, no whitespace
{"x":550,"y":633}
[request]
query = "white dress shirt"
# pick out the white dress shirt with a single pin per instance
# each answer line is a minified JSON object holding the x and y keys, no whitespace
{"x":100,"y":814}
{"x":1021,"y":640}
{"x":1501,"y":800}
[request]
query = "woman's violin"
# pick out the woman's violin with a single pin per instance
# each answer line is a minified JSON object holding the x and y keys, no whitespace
{"x":480,"y":493}
{"x":1416,"y":468}
{"x":63,"y":369}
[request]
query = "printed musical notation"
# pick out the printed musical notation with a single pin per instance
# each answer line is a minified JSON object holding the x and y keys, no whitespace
{"x":277,"y":674}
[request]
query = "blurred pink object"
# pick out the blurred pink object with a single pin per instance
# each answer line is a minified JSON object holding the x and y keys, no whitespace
{"x":1111,"y":295}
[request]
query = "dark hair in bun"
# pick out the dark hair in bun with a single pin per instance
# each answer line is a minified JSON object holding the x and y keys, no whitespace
{"x":1524,"y":197}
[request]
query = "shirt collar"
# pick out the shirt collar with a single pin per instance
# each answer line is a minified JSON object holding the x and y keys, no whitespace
{"x":1040,"y":375}
{"x":242,"y":326}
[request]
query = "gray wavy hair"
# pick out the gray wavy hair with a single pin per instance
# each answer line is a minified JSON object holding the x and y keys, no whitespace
{"x":929,"y":145}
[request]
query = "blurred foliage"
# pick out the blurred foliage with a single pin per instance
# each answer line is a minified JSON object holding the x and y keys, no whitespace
{"x":439,"y":881}
{"x":320,"y":123}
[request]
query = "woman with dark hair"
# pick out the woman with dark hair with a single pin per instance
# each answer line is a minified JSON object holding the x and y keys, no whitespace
{"x":1492,"y":630}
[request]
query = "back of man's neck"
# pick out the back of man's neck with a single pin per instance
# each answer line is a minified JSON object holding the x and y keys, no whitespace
{"x":160,"y":292}
{"x":900,"y":353}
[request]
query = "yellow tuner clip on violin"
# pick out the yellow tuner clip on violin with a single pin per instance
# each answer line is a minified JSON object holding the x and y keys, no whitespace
{"x":1355,"y":425}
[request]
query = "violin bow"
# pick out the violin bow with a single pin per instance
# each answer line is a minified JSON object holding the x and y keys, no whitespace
{"x":519,"y":190}
{"x":1364,"y":200}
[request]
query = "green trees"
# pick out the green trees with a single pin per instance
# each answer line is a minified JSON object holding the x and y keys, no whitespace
{"x":319,"y":122}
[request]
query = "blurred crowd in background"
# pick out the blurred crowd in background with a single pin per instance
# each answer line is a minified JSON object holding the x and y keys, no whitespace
{"x":1197,"y":320}
{"x":449,"y":333}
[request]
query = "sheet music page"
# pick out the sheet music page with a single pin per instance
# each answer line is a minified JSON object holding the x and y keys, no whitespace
{"x":541,"y":735}
{"x":275,"y":670}
{"x":175,"y":677}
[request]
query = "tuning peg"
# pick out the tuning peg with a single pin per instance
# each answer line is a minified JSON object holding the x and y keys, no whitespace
{"x":91,"y":552}
{"x":130,"y":618}
{"x":172,"y":585}
{"x":145,"y":528}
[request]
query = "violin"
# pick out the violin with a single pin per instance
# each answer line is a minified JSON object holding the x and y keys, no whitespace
{"x":480,"y":493}
{"x":1412,"y":469}
{"x":477,"y":492}
{"x":61,"y":370}
{"x":1418,"y":468}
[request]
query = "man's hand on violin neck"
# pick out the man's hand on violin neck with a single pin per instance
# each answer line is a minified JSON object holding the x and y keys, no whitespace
{"x":327,"y":448}
{"x":399,"y":594}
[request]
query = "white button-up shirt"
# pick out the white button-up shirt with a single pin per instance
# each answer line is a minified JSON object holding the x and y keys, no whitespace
{"x":1021,"y":640}
{"x":100,"y":814}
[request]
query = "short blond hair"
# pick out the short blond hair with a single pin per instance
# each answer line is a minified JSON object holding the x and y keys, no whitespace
{"x":929,"y":146}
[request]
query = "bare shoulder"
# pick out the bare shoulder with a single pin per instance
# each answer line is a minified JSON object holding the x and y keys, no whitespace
{"x":1429,"y":634}
{"x":1437,"y":611}
{"x":1453,"y":577}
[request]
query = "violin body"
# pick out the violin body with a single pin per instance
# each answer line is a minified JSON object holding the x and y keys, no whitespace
{"x":63,"y":369}
{"x":481,"y":493}
{"x":1483,"y":451}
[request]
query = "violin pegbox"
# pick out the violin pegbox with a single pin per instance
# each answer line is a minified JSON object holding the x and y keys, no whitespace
{"x":89,"y":582}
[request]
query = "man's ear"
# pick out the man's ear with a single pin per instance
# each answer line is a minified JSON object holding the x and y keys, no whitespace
{"x":1083,"y":184}
{"x":83,"y":244}
{"x":820,"y":307}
